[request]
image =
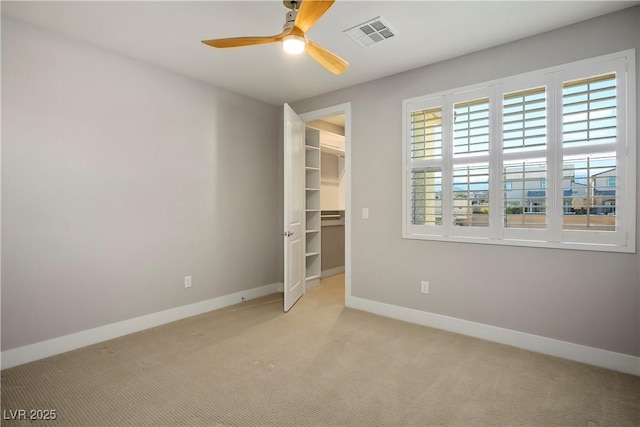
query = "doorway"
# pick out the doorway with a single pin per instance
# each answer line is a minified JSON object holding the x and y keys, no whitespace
{"x":328,"y":135}
{"x":333,"y":126}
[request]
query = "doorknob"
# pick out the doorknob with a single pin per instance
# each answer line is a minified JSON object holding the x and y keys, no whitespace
{"x":287,"y":233}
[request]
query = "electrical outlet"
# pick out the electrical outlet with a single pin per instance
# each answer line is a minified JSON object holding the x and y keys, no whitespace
{"x":187,"y":281}
{"x":424,"y":288}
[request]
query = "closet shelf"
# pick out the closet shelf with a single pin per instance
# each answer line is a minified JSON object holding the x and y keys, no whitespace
{"x":313,"y":223}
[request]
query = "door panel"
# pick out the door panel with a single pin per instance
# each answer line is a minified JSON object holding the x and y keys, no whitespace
{"x":294,"y":207}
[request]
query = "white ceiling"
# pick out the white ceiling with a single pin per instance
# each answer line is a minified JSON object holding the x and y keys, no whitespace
{"x":168,"y":34}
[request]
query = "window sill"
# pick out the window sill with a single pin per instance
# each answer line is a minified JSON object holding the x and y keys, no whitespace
{"x":629,"y":248}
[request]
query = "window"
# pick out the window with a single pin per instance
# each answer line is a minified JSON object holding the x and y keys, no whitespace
{"x":544,"y":159}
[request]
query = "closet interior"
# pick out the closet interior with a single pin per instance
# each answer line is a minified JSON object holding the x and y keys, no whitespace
{"x":325,"y":199}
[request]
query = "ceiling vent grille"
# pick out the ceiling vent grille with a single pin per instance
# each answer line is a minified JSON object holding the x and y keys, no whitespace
{"x":370,"y":32}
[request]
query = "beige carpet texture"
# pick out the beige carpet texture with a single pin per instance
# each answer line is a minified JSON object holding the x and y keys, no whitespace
{"x":321,"y":364}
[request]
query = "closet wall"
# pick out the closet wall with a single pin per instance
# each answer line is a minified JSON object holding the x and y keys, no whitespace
{"x":332,"y":205}
{"x":332,"y":202}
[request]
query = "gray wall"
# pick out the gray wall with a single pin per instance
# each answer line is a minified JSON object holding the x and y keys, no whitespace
{"x":332,"y":247}
{"x":119,"y":179}
{"x":588,"y":298}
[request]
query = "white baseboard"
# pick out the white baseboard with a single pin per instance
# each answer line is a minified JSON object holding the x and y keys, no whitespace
{"x":566,"y":350}
{"x":40,"y":350}
{"x":332,"y":272}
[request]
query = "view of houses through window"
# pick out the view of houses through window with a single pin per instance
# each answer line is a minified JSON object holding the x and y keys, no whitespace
{"x":558,"y":153}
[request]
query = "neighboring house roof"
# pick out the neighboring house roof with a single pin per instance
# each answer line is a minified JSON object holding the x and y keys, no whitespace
{"x":543,"y":193}
{"x":607,"y":171}
{"x":605,"y":192}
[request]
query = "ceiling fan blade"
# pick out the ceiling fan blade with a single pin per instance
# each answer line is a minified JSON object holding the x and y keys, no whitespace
{"x":245,"y":41}
{"x":310,"y":12}
{"x":328,"y":60}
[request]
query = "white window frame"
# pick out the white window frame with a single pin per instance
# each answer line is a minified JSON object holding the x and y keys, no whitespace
{"x":623,"y":239}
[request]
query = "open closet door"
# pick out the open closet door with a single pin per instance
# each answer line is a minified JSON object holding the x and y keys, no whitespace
{"x":294,"y":207}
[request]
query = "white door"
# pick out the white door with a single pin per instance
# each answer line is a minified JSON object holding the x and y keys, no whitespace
{"x":294,"y":207}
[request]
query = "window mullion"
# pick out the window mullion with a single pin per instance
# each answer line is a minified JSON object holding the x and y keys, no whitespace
{"x":555,"y":194}
{"x":447,"y":165}
{"x":496,"y":193}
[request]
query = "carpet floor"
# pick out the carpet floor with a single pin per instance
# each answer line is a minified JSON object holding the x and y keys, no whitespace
{"x":321,"y":364}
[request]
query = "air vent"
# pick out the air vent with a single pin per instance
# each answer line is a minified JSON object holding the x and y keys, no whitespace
{"x":370,"y":32}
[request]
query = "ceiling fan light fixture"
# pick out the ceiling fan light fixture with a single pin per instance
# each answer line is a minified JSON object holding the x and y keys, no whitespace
{"x":293,"y":44}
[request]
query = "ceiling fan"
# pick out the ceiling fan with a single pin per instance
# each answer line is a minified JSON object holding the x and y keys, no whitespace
{"x":302,"y":16}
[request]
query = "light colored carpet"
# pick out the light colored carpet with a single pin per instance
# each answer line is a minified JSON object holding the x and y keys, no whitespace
{"x":321,"y":364}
